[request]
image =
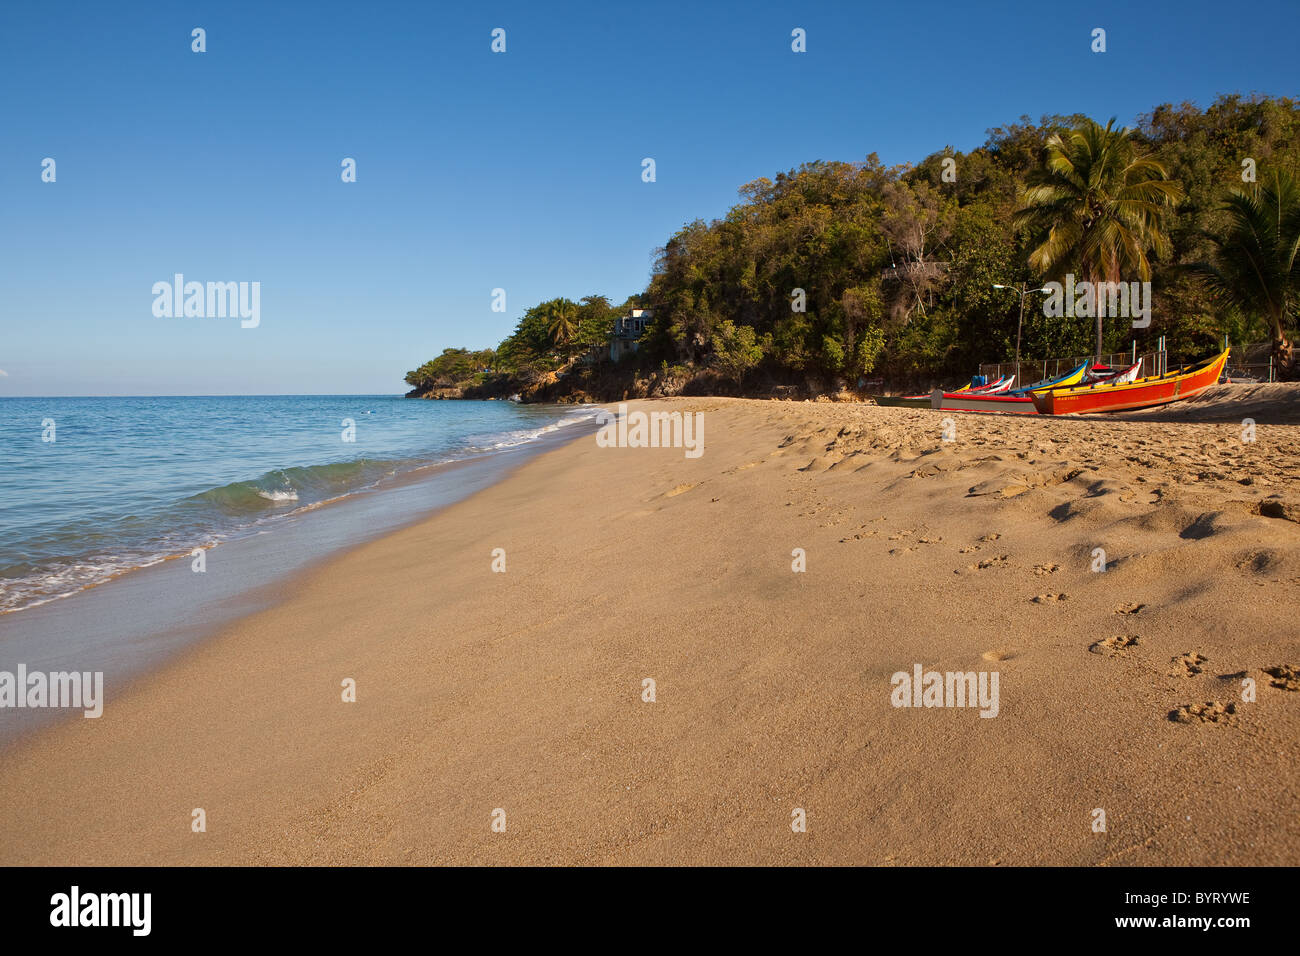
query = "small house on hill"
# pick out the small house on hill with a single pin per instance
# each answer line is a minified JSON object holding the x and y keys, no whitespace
{"x":628,"y":330}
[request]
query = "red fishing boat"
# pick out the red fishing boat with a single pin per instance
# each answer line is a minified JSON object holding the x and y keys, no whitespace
{"x":1183,"y":382}
{"x":1017,"y":401}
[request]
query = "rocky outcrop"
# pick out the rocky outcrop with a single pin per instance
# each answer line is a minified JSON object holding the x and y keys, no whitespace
{"x":437,"y":392}
{"x":579,"y":383}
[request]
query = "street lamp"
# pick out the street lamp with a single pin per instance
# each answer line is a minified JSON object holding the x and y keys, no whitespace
{"x":1022,"y":291}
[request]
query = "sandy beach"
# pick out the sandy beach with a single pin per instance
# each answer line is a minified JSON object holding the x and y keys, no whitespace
{"x":522,"y":691}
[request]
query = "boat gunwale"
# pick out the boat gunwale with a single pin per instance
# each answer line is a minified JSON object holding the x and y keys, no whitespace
{"x":1183,"y":371}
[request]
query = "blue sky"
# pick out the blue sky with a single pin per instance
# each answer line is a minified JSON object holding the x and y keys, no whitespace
{"x":478,"y":170}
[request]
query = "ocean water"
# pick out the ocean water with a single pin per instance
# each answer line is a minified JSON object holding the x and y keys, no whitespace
{"x":128,"y":482}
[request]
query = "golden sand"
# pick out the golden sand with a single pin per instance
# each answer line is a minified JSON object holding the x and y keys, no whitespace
{"x":522,"y":691}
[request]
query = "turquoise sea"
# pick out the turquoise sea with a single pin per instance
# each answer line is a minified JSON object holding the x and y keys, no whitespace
{"x":93,"y":487}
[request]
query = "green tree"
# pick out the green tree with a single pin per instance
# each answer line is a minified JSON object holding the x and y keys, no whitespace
{"x":863,"y":337}
{"x":1255,"y":265}
{"x":735,"y":350}
{"x":561,"y":322}
{"x":1096,"y":205}
{"x":529,"y":346}
{"x":454,"y":368}
{"x":595,"y":320}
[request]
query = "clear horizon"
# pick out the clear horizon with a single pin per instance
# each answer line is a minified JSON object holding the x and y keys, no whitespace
{"x":478,"y":170}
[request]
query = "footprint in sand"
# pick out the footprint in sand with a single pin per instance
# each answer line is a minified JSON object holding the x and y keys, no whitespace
{"x":1129,"y":608}
{"x":1284,"y":677}
{"x":998,"y":562}
{"x":1187,"y":665}
{"x":1115,"y":646}
{"x":1257,"y":562}
{"x":1046,"y":568}
{"x":859,"y":536}
{"x":971,"y":549}
{"x":1050,"y":598}
{"x":1210,"y":712}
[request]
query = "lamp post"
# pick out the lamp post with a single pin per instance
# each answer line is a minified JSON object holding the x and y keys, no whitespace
{"x":1022,"y":291}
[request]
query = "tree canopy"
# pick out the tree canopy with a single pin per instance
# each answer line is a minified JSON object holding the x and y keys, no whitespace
{"x":836,"y":270}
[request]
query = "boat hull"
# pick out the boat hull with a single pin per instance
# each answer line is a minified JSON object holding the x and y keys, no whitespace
{"x":1006,"y":404}
{"x":1142,"y":393}
{"x":902,"y":401}
{"x":923,"y":401}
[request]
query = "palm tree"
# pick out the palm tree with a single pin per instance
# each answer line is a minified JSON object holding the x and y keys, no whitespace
{"x":1256,"y":262}
{"x":1096,"y":205}
{"x":561,"y":321}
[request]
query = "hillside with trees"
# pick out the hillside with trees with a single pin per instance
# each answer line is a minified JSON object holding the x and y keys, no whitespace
{"x":846,"y":274}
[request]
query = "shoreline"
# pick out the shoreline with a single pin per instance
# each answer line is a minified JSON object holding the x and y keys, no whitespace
{"x":523,"y":691}
{"x":136,"y":621}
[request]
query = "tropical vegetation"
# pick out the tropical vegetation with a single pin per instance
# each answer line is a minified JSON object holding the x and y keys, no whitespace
{"x":847,"y":273}
{"x":1255,"y":264}
{"x":1098,"y":205}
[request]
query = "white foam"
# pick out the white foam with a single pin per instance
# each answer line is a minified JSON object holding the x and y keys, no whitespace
{"x":289,"y":495}
{"x":524,"y":436}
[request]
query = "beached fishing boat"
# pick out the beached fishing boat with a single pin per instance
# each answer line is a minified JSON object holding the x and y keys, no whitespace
{"x":1073,"y":377}
{"x":1013,"y":401}
{"x":1002,"y":384}
{"x":1116,"y":396}
{"x":952,"y":401}
{"x":1113,"y":374}
{"x":995,"y":388}
{"x":1019,"y":401}
{"x":902,"y":401}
